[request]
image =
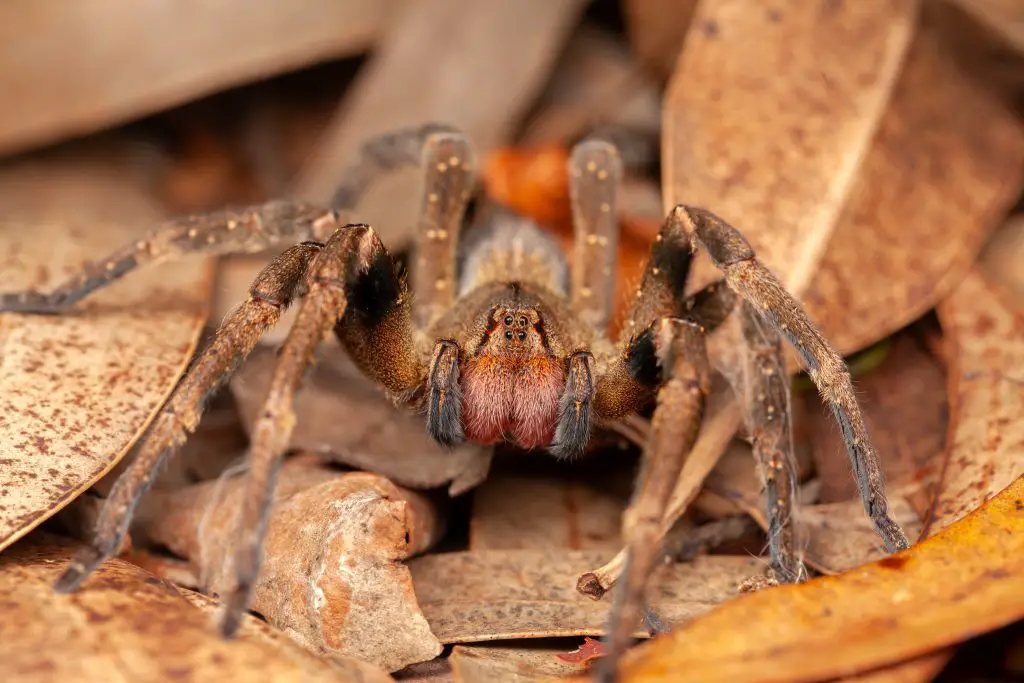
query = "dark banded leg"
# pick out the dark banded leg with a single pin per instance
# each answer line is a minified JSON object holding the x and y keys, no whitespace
{"x":768,"y":297}
{"x":574,"y":408}
{"x":274,"y":288}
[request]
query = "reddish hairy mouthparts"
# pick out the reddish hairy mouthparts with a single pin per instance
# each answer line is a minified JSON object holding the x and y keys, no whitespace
{"x":512,"y":398}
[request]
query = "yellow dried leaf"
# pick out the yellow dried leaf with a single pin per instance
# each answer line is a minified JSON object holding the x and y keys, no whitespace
{"x":77,"y":390}
{"x":965,"y":580}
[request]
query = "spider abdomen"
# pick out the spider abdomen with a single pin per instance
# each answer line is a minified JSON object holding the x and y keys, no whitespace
{"x":512,"y":398}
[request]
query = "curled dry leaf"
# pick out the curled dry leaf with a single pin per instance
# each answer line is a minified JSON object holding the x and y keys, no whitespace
{"x":332,"y":575}
{"x":76,"y":390}
{"x":374,"y":435}
{"x":963,"y":581}
{"x":947,"y":160}
{"x":483,"y":82}
{"x":819,"y":77}
{"x":125,"y":625}
{"x":499,"y":594}
{"x":510,"y":664}
{"x":986,"y":451}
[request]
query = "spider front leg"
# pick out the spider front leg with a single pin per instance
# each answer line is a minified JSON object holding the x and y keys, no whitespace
{"x":274,"y":288}
{"x":681,"y":353}
{"x":250,"y":230}
{"x":769,"y":421}
{"x":342,"y":267}
{"x":731,"y":253}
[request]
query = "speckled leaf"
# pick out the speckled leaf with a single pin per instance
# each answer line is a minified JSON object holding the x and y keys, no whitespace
{"x":76,"y":390}
{"x":963,"y":581}
{"x":509,"y":664}
{"x":125,"y":625}
{"x":947,"y":161}
{"x":769,"y":114}
{"x":373,"y":435}
{"x":257,"y":630}
{"x":332,"y":575}
{"x":986,"y":452}
{"x":471,"y":597}
{"x":514,"y":512}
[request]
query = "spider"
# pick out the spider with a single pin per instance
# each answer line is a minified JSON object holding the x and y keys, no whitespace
{"x":499,"y":338}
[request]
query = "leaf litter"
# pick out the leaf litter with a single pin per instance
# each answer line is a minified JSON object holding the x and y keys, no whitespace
{"x":962,"y":581}
{"x":77,"y":390}
{"x":333,"y":575}
{"x":130,"y":626}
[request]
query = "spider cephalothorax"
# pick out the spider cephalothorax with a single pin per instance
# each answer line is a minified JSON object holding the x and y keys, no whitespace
{"x":496,"y":339}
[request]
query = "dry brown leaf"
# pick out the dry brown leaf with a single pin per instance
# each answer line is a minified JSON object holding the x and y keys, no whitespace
{"x":947,"y":160}
{"x":595,"y":82}
{"x":76,"y":390}
{"x":498,"y":594}
{"x":125,"y":625}
{"x":963,"y":581}
{"x":345,"y":417}
{"x":986,"y":389}
{"x":509,"y":664}
{"x":1000,"y":260}
{"x":475,"y":65}
{"x":86,"y":66}
{"x":332,"y":575}
{"x":1003,"y":17}
{"x":257,"y":630}
{"x":656,"y":31}
{"x":904,"y":402}
{"x":515,"y":512}
{"x":817,"y":79}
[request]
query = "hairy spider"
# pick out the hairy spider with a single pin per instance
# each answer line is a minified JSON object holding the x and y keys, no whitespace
{"x":498,"y":339}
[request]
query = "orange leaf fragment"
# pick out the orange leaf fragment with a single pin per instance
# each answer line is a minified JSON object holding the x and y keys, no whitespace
{"x":590,"y":649}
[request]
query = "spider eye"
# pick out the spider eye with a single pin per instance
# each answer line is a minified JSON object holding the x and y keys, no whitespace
{"x":522,"y":336}
{"x":508,"y":320}
{"x":508,"y":335}
{"x":523,"y":321}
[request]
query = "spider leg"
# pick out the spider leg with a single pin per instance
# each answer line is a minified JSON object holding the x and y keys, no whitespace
{"x":274,"y":288}
{"x":682,"y":355}
{"x":754,"y":282}
{"x":595,"y":173}
{"x":348,"y":254}
{"x":449,"y":168}
{"x":249,"y":230}
{"x":769,"y":420}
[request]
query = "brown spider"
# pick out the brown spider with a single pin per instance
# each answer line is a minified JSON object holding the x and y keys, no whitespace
{"x":499,"y":339}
